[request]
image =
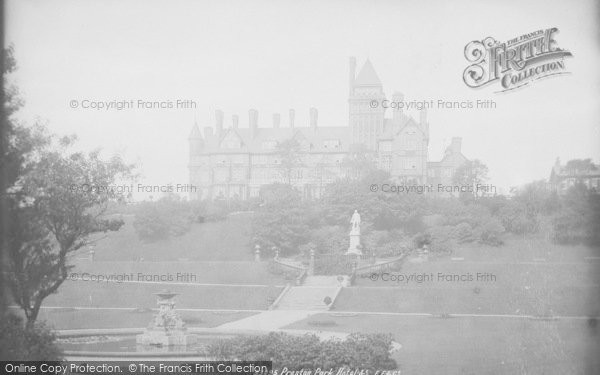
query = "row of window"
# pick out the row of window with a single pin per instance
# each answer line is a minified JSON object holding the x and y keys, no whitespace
{"x":276,"y":159}
{"x":267,"y":175}
{"x":270,"y":145}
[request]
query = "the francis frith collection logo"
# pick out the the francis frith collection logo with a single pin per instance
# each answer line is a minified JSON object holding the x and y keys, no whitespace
{"x":515,"y":63}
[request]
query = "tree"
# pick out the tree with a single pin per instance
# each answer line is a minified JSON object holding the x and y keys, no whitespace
{"x":472,"y":173}
{"x":279,"y":196}
{"x":359,"y":161}
{"x":16,"y":145}
{"x":289,"y":152}
{"x":580,"y":165}
{"x":578,"y":219}
{"x":517,"y":217}
{"x":285,"y":229}
{"x":53,"y":211}
{"x":166,"y":217}
{"x":280,"y":219}
{"x":538,"y":198}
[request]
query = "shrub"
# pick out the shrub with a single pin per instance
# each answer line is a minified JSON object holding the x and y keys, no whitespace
{"x":490,"y":233}
{"x":18,"y":343}
{"x":579,"y":218}
{"x":421,"y":239}
{"x":438,"y":239}
{"x":516,"y":219}
{"x":283,"y":228}
{"x":386,"y":243}
{"x":168,"y":216}
{"x":463,"y":232}
{"x":364,"y":351}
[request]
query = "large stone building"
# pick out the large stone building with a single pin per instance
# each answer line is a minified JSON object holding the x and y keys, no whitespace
{"x":584,"y":172}
{"x":236,"y":162}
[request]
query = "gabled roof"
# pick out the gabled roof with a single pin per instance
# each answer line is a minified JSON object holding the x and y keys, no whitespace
{"x":367,"y":76}
{"x":393,"y":128}
{"x":252,"y":142}
{"x":230,"y":133}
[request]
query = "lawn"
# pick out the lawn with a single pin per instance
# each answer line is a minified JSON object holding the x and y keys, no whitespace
{"x":225,"y":240}
{"x":69,"y":318}
{"x":88,"y":294}
{"x":531,"y":277}
{"x":479,"y":345}
{"x":216,"y":272}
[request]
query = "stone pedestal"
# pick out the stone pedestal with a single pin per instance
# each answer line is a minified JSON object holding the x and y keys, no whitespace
{"x":354,"y":248}
{"x":257,"y":253}
{"x":311,"y":263}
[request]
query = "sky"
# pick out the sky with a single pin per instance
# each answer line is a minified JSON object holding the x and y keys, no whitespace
{"x":273,"y":56}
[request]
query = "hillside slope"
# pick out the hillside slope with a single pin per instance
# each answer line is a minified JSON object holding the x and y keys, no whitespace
{"x":226,"y":240}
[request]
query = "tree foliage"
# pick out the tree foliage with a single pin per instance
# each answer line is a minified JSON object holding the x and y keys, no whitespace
{"x":290,"y":160}
{"x":169,"y":216}
{"x":359,"y":161}
{"x":580,"y":165}
{"x":19,"y":343}
{"x":47,"y":194}
{"x":472,"y":173}
{"x":578,"y":219}
{"x":54,"y":212}
{"x":364,"y":351}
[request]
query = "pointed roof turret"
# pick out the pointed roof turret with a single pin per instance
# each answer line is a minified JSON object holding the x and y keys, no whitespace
{"x":367,"y":76}
{"x":195,"y":133}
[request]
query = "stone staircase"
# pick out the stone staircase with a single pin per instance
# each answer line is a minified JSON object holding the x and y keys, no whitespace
{"x":322,"y":281}
{"x":311,"y":295}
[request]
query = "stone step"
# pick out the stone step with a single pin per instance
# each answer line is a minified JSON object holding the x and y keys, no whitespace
{"x":321,"y":281}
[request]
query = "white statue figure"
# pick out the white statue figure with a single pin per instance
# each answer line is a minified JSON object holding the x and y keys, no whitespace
{"x":355,"y":221}
{"x":354,"y":247}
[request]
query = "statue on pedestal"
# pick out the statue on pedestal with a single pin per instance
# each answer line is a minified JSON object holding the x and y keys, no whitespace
{"x":354,"y":248}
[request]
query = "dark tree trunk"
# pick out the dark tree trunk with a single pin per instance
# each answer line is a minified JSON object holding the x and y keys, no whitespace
{"x":32,"y":313}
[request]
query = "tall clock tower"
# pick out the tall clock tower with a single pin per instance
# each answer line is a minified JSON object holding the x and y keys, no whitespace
{"x":366,"y":117}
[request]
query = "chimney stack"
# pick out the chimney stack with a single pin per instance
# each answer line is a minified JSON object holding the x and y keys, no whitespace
{"x":292,"y":118}
{"x":253,"y":117}
{"x":219,"y":121}
{"x":314,"y":116}
{"x":276,"y":120}
{"x":352,"y":73}
{"x":235,"y":121}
